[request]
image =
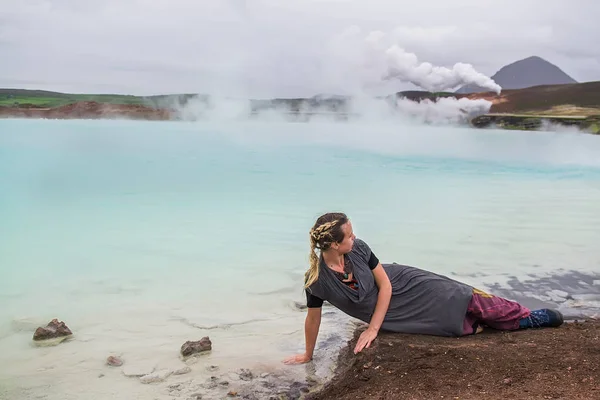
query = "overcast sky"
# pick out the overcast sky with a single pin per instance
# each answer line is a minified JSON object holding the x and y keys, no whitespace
{"x":275,"y":47}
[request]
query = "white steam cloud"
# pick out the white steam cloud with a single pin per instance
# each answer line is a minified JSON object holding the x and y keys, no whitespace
{"x":364,"y":70}
{"x":444,"y":110}
{"x":377,"y":58}
{"x":405,"y":66}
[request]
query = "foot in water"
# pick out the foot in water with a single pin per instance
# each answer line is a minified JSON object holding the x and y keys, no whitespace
{"x":543,"y":318}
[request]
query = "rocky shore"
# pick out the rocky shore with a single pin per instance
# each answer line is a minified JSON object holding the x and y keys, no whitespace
{"x":188,"y":375}
{"x":559,"y":363}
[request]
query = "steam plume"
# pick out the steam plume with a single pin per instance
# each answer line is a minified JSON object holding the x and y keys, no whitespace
{"x":377,"y":58}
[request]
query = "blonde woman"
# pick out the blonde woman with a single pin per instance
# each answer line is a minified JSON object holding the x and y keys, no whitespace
{"x":396,"y":297}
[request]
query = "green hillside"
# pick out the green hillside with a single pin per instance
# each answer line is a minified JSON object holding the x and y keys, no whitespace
{"x":46,"y":99}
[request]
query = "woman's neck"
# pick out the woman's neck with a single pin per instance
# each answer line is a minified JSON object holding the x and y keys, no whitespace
{"x":334,"y":260}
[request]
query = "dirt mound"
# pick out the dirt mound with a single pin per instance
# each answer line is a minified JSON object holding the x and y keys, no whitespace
{"x":559,"y":363}
{"x":585,"y":96}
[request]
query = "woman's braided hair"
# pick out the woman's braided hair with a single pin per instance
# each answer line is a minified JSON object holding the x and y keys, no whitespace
{"x":326,"y":231}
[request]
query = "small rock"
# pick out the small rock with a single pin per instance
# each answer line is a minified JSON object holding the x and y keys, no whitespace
{"x":200,"y":346}
{"x":299,"y":386}
{"x":264,"y":375}
{"x":246,"y":375}
{"x":158,"y":376}
{"x":212,"y":368}
{"x":211,"y":383}
{"x":268,"y":385}
{"x":183,"y":370}
{"x":232,"y":393}
{"x":175,"y":387}
{"x":114,"y":361}
{"x":54,"y":329}
{"x":507,"y":381}
{"x":101,"y":376}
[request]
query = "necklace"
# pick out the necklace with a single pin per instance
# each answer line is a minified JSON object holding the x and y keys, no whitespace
{"x":346,"y":271}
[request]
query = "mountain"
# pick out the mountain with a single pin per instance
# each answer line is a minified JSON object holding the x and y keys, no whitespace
{"x":531,"y":71}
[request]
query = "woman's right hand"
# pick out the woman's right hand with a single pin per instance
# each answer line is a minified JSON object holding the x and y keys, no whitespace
{"x":297,"y":359}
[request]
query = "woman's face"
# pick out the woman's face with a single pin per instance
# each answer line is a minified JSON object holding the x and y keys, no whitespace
{"x":345,"y":246}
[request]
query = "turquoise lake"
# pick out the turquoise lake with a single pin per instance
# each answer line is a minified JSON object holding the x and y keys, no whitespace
{"x":142,"y":235}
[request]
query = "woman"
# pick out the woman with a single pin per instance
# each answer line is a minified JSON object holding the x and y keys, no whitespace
{"x":397,"y":297}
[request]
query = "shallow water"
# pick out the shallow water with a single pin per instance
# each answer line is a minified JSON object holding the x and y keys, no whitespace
{"x":141,"y":236}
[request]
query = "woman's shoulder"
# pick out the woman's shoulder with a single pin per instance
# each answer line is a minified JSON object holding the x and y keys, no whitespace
{"x":361,"y":247}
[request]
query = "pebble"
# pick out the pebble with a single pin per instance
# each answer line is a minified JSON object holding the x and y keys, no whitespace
{"x":114,"y":361}
{"x":196,"y":347}
{"x":246,"y":374}
{"x":183,"y":370}
{"x":175,"y":387}
{"x":214,"y":382}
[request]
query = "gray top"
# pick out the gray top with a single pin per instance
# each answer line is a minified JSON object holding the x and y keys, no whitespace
{"x":422,"y":302}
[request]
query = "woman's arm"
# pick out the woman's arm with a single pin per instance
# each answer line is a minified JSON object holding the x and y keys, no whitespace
{"x":311,"y":331}
{"x":383,"y":302}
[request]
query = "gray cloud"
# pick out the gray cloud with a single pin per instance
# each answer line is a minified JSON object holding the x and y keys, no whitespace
{"x":273,"y":47}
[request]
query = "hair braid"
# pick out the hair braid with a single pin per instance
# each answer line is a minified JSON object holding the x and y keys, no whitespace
{"x":312,"y":274}
{"x":327,"y":230}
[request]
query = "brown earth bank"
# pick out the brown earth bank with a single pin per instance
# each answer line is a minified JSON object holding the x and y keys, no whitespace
{"x":550,"y":363}
{"x":88,"y":110}
{"x":583,"y":96}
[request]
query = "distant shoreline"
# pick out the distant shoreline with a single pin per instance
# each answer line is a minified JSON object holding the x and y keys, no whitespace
{"x":523,"y":109}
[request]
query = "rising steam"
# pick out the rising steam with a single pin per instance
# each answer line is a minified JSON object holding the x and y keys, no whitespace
{"x":377,"y":58}
{"x":405,"y":66}
{"x":361,"y":72}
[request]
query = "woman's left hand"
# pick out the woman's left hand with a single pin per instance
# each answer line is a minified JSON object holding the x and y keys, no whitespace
{"x":365,"y":340}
